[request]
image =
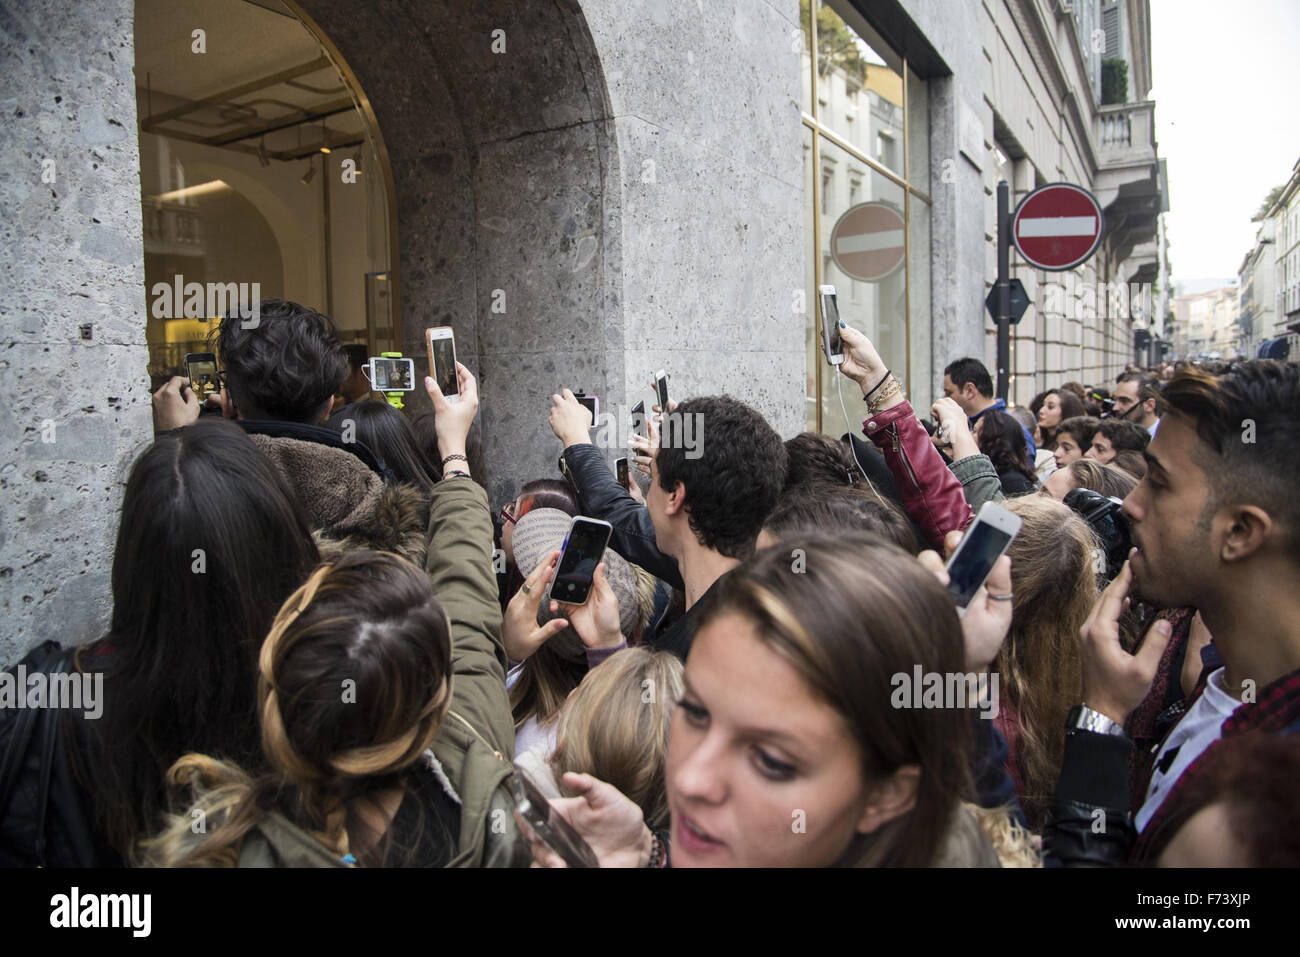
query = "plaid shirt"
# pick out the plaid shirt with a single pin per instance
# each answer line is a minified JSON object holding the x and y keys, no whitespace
{"x":1277,"y":709}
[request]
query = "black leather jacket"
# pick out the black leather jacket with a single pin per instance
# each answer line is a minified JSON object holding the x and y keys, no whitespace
{"x":1089,"y":823}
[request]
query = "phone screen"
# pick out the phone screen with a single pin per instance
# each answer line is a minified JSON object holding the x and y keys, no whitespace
{"x":661,"y":383}
{"x":203,"y":378}
{"x":582,"y":553}
{"x":974,"y":560}
{"x":444,"y":364}
{"x":620,"y":467}
{"x":392,"y":375}
{"x":590,"y":402}
{"x":831,"y":340}
{"x":638,"y":419}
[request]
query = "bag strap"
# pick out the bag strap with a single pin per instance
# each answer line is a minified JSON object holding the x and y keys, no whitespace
{"x":49,"y":742}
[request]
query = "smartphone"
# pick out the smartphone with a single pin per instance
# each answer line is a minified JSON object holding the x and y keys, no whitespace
{"x":581,"y":552}
{"x":620,"y":469}
{"x":548,"y":825}
{"x":392,"y":375}
{"x":638,"y":420}
{"x":832,"y":344}
{"x":661,"y":386}
{"x":985,"y":541}
{"x":201,"y":368}
{"x":442,"y":359}
{"x":591,"y":403}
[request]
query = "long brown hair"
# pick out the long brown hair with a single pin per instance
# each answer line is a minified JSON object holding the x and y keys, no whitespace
{"x":1055,"y":587}
{"x":355,"y":680}
{"x":850,"y":616}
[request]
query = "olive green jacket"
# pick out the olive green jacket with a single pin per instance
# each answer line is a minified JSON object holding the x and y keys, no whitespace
{"x":476,"y":743}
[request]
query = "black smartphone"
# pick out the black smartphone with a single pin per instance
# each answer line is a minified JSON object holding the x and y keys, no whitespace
{"x":620,"y":469}
{"x":201,"y":368}
{"x":832,"y":344}
{"x":583,"y":548}
{"x":661,"y":387}
{"x":548,"y":825}
{"x":638,"y":420}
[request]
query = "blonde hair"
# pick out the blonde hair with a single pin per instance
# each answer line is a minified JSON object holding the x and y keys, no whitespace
{"x":1055,"y":587}
{"x":615,"y":726}
{"x":1014,"y":846}
{"x":369,"y":619}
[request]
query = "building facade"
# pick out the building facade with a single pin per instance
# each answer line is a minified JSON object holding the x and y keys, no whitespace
{"x":1285,"y":216}
{"x":1206,"y":324}
{"x":586,"y":191}
{"x":1258,"y":315}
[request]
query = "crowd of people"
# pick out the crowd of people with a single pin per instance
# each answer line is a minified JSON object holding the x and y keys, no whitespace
{"x":366,"y":661}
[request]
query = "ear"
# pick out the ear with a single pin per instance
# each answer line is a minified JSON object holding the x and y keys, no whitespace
{"x":676,"y":500}
{"x":1246,"y":529}
{"x":891,"y":798}
{"x":1151,"y":405}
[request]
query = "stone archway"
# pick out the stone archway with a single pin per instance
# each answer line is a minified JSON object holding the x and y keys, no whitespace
{"x":496,"y":123}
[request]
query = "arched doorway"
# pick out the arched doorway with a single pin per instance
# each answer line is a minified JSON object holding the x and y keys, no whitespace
{"x":258,"y":165}
{"x":496,"y":122}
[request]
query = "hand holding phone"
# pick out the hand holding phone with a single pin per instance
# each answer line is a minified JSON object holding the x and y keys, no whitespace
{"x":442,"y":360}
{"x":545,"y":825}
{"x":583,"y":548}
{"x":985,"y":541}
{"x":596,"y":622}
{"x":832,"y":343}
{"x":620,"y":471}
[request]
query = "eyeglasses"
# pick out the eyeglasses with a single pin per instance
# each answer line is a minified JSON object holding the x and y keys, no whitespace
{"x":506,"y":516}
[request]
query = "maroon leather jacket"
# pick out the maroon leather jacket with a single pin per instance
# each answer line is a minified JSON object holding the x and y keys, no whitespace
{"x":931,"y":494}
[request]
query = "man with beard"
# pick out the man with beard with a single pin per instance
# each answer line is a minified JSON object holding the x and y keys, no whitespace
{"x":1216,"y":522}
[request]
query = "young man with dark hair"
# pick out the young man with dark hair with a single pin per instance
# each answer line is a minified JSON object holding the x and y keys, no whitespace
{"x":716,"y":471}
{"x":966,"y":381}
{"x":1114,"y":436}
{"x":281,"y":375}
{"x":1137,"y":399}
{"x":1216,"y":522}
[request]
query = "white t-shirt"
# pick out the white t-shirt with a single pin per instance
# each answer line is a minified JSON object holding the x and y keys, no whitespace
{"x":1199,"y":728}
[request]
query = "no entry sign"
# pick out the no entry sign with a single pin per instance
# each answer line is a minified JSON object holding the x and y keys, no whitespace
{"x":1057,"y":226}
{"x":867,"y":241}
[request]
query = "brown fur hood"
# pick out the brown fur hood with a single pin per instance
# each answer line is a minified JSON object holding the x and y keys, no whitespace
{"x":349,"y":506}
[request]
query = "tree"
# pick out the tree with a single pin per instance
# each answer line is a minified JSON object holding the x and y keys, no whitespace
{"x":1269,"y":200}
{"x":1114,"y":81}
{"x":837,"y":47}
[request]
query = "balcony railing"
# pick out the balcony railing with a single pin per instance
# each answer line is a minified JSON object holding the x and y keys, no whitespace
{"x":1126,"y":131}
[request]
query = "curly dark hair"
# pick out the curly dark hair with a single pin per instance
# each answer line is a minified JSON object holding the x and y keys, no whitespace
{"x":1003,"y":441}
{"x":732,"y":464}
{"x":286,"y":366}
{"x":1123,"y":434}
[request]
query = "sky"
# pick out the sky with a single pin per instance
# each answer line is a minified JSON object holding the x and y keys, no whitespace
{"x":1224,"y":80}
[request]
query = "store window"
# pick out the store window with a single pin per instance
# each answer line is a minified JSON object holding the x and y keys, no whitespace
{"x":262,"y":175}
{"x":868,"y":218}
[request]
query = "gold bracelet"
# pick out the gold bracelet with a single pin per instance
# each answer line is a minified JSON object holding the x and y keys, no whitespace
{"x":887,"y":394}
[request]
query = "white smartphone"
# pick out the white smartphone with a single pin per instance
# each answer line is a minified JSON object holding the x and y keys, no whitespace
{"x":442,"y":359}
{"x":591,"y":403}
{"x":985,"y":541}
{"x":583,"y":548}
{"x":832,"y":344}
{"x":661,"y":388}
{"x":390,"y":375}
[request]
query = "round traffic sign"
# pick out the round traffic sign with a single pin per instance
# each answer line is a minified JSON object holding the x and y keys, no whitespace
{"x":1057,"y":226}
{"x":867,"y":241}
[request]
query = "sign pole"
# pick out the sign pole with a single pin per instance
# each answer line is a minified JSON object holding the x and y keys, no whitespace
{"x":1003,"y":286}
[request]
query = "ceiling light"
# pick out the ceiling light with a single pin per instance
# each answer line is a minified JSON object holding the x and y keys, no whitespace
{"x":211,"y":186}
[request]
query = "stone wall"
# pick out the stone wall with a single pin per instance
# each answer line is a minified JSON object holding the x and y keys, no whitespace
{"x":74,"y":396}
